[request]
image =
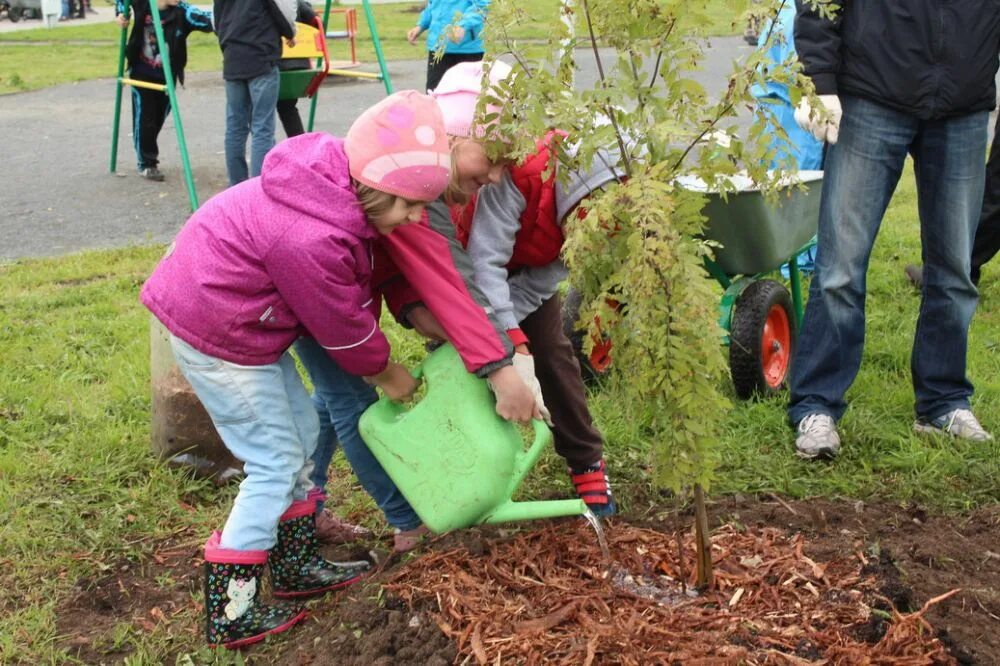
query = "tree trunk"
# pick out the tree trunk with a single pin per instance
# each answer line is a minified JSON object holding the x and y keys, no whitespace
{"x":703,"y":545}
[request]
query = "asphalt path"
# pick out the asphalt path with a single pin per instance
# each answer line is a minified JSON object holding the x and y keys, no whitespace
{"x":57,"y":193}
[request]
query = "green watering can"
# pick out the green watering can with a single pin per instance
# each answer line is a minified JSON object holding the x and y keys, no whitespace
{"x":452,"y":457}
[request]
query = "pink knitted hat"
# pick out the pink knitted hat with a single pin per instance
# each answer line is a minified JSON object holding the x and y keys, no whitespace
{"x":400,"y":146}
{"x":458,"y":92}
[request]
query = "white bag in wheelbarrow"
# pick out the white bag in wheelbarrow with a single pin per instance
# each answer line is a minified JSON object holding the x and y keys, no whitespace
{"x":758,"y":237}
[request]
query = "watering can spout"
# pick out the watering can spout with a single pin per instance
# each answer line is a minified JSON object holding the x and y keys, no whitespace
{"x":515,"y":511}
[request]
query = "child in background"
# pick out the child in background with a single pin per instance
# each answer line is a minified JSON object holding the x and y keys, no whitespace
{"x":514,"y":232}
{"x":256,"y":267}
{"x":145,"y":63}
{"x":288,"y":111}
{"x":426,"y":278}
{"x":456,"y":25}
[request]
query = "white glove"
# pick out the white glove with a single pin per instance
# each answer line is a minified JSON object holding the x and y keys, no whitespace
{"x":524,"y":364}
{"x":823,"y":121}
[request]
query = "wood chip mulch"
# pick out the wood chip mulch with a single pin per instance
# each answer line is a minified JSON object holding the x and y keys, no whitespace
{"x":546,"y":596}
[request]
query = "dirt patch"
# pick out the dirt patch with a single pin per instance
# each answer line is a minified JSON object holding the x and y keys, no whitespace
{"x":155,"y":592}
{"x":366,"y":628}
{"x":906,"y":555}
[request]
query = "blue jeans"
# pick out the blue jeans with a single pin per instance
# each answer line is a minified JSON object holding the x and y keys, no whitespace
{"x":249,"y":110}
{"x":265,"y":418}
{"x":861,"y":173}
{"x":340,"y":398}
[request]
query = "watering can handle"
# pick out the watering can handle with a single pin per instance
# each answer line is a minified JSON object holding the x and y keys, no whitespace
{"x":543,"y":437}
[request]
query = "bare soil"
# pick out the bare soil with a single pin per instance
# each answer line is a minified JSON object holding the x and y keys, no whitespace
{"x":911,"y":555}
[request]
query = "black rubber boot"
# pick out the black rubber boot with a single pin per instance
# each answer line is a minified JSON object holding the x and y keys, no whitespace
{"x":297,"y":567}
{"x":234,"y":615}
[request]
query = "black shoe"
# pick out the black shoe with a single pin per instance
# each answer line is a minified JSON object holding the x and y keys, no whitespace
{"x":152,"y":173}
{"x":915,"y":274}
{"x":297,"y":567}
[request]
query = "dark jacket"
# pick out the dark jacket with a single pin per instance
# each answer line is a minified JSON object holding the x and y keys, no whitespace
{"x":177,"y":22}
{"x":929,"y":58}
{"x":304,"y":13}
{"x":250,"y":33}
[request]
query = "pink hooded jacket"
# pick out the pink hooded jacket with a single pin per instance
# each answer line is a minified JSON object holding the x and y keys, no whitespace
{"x":274,"y":258}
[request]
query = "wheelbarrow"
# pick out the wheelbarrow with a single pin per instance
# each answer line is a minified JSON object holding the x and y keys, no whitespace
{"x":760,"y":316}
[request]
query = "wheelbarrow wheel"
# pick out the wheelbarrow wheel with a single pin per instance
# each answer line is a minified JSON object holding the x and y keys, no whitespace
{"x":595,"y":364}
{"x":14,"y":14}
{"x":762,"y":339}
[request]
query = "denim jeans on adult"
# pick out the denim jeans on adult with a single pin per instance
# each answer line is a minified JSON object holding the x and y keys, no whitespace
{"x":249,"y":110}
{"x":861,"y":173}
{"x":340,"y":398}
{"x":265,"y":418}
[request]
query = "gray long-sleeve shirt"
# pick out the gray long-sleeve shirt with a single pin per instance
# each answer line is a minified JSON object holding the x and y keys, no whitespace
{"x":495,"y":225}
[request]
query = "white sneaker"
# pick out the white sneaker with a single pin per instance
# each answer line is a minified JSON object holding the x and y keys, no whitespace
{"x":960,"y":423}
{"x":817,"y":438}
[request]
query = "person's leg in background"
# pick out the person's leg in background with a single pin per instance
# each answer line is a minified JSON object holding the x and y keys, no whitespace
{"x":948,"y":165}
{"x":237,"y":130}
{"x":861,"y":173}
{"x":263,"y":100}
{"x":153,"y":108}
{"x":291,"y":121}
{"x":987,"y":242}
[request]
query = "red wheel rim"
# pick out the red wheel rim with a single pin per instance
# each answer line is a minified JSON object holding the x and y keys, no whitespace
{"x":600,"y":355}
{"x":775,"y":347}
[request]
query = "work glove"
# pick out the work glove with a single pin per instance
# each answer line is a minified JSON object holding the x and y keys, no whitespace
{"x":524,"y":364}
{"x":823,"y":120}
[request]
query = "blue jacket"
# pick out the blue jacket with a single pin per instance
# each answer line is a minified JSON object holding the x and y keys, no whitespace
{"x":802,"y":146}
{"x":439,"y":14}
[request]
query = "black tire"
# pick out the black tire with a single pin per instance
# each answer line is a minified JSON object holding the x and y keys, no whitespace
{"x":570,"y":314}
{"x":753,"y":374}
{"x":14,"y":14}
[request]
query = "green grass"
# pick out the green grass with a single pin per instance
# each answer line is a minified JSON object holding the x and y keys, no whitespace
{"x":42,"y":57}
{"x":80,"y":490}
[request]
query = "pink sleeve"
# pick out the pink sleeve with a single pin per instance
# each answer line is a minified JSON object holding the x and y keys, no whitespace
{"x":430,"y":259}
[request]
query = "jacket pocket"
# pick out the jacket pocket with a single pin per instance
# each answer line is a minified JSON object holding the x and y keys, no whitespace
{"x":276,"y":316}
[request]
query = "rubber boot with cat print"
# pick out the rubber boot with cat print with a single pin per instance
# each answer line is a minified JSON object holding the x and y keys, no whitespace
{"x":297,"y":567}
{"x":234,"y":615}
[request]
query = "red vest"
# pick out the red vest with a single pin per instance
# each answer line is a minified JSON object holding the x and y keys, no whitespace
{"x":540,"y":238}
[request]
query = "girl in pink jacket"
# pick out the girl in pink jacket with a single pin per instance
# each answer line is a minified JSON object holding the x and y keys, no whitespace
{"x":267,"y":261}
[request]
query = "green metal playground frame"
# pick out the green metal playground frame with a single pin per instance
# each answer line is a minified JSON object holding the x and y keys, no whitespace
{"x":171,"y":91}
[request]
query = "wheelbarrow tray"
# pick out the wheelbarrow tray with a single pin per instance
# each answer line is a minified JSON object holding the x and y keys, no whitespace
{"x":758,"y":237}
